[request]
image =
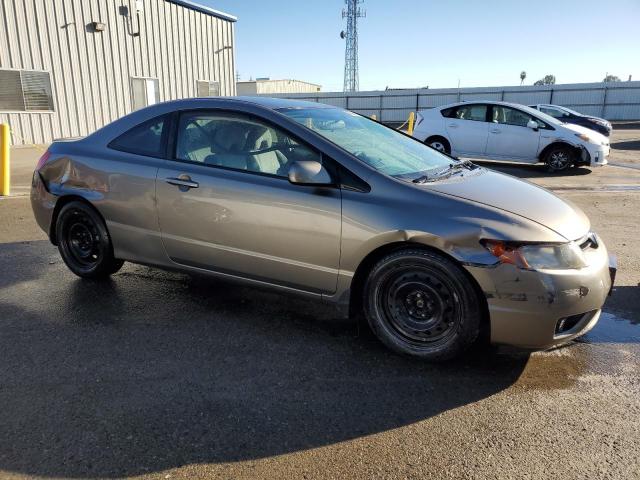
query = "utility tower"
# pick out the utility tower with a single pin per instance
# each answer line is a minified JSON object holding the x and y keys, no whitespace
{"x":352,"y":12}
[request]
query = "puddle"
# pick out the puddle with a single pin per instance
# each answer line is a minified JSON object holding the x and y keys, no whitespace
{"x":613,"y":328}
{"x":596,"y":353}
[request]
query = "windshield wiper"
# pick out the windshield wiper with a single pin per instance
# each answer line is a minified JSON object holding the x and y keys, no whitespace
{"x":462,"y":164}
{"x":446,"y":172}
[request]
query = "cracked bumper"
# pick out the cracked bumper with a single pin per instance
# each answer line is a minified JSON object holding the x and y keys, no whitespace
{"x":526,"y":307}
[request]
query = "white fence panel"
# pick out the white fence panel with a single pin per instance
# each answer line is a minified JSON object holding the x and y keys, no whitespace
{"x":614,"y":101}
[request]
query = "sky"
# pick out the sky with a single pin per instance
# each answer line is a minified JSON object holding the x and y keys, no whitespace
{"x":419,"y":43}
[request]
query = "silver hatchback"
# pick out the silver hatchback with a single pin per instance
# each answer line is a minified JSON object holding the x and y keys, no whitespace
{"x":319,"y":201}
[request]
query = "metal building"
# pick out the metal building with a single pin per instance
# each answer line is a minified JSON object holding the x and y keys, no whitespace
{"x":263,"y":86}
{"x":68,"y":67}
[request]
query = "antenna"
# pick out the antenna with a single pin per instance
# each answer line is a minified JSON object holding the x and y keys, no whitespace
{"x":352,"y":12}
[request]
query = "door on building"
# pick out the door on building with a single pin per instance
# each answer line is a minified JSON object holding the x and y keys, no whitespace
{"x":144,"y":92}
{"x":225,"y":204}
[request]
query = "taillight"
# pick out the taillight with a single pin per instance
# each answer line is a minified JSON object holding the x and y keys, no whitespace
{"x":43,"y":159}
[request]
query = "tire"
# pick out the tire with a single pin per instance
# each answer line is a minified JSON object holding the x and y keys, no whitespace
{"x":421,"y":304}
{"x":84,"y":242}
{"x":438,"y":143}
{"x":559,"y":158}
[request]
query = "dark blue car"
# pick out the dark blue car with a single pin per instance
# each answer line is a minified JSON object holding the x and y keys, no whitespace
{"x":567,"y":115}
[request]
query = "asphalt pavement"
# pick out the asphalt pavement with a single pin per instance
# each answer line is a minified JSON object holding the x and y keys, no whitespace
{"x":158,"y":374}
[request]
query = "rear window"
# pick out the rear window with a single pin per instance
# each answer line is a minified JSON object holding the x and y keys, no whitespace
{"x":147,"y":139}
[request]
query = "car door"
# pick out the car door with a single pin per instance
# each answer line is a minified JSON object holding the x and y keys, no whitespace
{"x":467,"y":128}
{"x":225,"y":204}
{"x":509,"y":136}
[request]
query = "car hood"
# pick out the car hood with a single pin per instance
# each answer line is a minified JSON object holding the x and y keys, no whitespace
{"x":596,"y":137}
{"x":518,"y":197}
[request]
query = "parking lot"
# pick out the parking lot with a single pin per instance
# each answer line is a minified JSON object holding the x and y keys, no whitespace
{"x":163,"y":375}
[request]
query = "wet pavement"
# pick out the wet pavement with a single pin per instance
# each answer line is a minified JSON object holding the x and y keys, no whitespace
{"x":164,"y":375}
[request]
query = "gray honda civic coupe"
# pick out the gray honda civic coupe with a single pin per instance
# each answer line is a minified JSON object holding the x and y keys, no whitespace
{"x":315,"y":200}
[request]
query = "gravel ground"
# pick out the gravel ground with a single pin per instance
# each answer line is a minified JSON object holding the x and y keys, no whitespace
{"x":161,"y":375}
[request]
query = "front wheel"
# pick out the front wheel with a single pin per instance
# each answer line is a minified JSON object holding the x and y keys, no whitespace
{"x":559,"y":159}
{"x":422,"y":304}
{"x":84,"y":242}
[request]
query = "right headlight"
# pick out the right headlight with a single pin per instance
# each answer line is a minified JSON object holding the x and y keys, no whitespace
{"x":583,"y":136}
{"x":536,"y":256}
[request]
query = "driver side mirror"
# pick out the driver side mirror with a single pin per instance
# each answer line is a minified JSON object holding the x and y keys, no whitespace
{"x":533,"y":125}
{"x":309,"y":172}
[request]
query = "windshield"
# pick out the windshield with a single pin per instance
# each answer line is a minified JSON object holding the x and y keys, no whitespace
{"x":380,"y":147}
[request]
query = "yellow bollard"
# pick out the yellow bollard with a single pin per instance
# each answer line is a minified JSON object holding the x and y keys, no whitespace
{"x":5,"y":165}
{"x":412,"y":117}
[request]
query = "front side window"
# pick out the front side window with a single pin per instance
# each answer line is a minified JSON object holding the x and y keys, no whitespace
{"x":512,"y":116}
{"x":25,"y":90}
{"x":380,"y":147}
{"x":239,"y":142}
{"x":148,"y":139}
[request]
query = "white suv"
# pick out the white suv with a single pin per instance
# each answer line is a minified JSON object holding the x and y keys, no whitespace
{"x":509,"y":132}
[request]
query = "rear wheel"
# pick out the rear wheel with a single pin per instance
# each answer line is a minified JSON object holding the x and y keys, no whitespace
{"x":438,"y":143}
{"x":84,"y":242}
{"x":422,"y":304}
{"x":559,"y":158}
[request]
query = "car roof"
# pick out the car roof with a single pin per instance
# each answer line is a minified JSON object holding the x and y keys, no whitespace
{"x":274,"y":103}
{"x":488,"y":102}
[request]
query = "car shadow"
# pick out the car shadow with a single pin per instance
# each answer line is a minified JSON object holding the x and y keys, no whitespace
{"x":531,"y":171}
{"x":152,"y":370}
{"x":626,"y":145}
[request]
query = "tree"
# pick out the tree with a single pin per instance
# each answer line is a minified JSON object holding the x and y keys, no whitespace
{"x":523,"y":75}
{"x":547,"y":80}
{"x":611,"y":78}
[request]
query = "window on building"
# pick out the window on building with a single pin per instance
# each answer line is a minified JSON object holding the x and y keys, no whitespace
{"x":208,"y":89}
{"x":144,"y":92}
{"x":25,"y":90}
{"x":148,"y":139}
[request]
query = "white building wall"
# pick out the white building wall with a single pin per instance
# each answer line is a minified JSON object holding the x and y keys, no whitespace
{"x":91,"y":71}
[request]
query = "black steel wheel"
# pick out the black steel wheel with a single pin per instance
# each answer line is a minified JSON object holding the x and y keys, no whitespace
{"x":84,"y":242}
{"x":422,"y":304}
{"x":559,"y":158}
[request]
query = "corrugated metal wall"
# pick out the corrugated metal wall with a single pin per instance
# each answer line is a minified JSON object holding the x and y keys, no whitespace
{"x":91,"y":71}
{"x":613,"y":101}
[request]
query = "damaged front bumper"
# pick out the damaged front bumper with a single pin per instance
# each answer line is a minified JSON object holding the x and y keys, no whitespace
{"x":545,"y":308}
{"x":594,"y":157}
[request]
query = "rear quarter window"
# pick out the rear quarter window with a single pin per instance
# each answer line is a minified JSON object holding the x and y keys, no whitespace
{"x":148,"y":139}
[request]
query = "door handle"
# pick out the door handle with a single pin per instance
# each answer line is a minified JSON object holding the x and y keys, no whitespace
{"x":452,"y":125}
{"x":181,"y":181}
{"x":495,"y":131}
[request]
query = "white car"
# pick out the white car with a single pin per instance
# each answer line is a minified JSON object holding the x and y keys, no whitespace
{"x":509,"y":132}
